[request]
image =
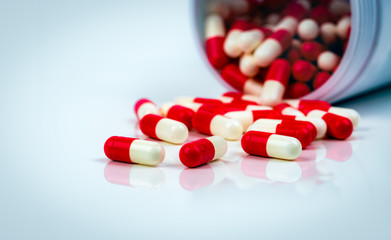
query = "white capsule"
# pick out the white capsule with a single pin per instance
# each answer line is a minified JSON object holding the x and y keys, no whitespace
{"x":328,"y":61}
{"x":308,"y":29}
{"x":248,"y":66}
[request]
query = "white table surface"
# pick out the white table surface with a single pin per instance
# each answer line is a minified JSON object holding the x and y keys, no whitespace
{"x":70,"y":73}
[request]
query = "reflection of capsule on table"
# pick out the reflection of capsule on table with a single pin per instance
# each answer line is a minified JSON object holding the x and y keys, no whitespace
{"x":193,"y":179}
{"x":340,"y":151}
{"x":271,"y":169}
{"x":132,"y":175}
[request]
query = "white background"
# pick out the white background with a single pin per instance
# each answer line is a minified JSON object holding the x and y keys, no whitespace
{"x":70,"y":73}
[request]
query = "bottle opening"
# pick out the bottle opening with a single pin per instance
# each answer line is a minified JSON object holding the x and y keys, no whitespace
{"x":294,"y":46}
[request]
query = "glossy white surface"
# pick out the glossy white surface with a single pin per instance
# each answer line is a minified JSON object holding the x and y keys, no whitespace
{"x":71,"y":71}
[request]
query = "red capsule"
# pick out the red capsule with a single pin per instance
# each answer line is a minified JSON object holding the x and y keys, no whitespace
{"x":303,"y":70}
{"x":293,"y":55}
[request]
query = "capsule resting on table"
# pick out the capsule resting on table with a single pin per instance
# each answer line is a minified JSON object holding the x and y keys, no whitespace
{"x":202,"y":151}
{"x":133,"y":150}
{"x":165,"y":129}
{"x":271,"y":145}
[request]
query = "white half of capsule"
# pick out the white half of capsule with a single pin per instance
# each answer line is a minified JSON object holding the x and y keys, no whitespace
{"x":146,"y":177}
{"x":288,"y":23}
{"x":171,"y":131}
{"x":343,"y":26}
{"x":272,"y":93}
{"x":257,"y":107}
{"x":351,"y":114}
{"x":147,"y":108}
{"x":319,"y":123}
{"x":283,"y":171}
{"x":146,"y":152}
{"x":248,"y":66}
{"x":183,"y":100}
{"x":293,"y":102}
{"x":227,"y":128}
{"x":214,"y":26}
{"x":339,"y":7}
{"x":269,"y":127}
{"x":250,"y":39}
{"x":272,"y":19}
{"x":291,"y":111}
{"x":246,"y":118}
{"x":219,"y":171}
{"x":192,"y":105}
{"x":267,"y":52}
{"x":252,"y":87}
{"x":231,"y":46}
{"x":327,"y":61}
{"x":284,"y":147}
{"x":308,"y":29}
{"x":328,"y":32}
{"x":220,"y":146}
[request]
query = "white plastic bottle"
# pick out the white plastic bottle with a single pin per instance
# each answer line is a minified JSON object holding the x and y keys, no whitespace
{"x":366,"y":63}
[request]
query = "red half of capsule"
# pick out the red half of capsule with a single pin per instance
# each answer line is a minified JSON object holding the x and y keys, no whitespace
{"x":308,"y":125}
{"x":303,"y":70}
{"x":299,"y":132}
{"x":283,"y":37}
{"x":279,"y":71}
{"x":321,"y":14}
{"x":211,"y":101}
{"x":311,"y":50}
{"x":270,"y":114}
{"x":297,"y":90}
{"x":295,"y":10}
{"x":215,"y":52}
{"x":234,"y":77}
{"x":201,"y":121}
{"x":308,"y":105}
{"x":181,"y":114}
{"x":117,"y":148}
{"x":148,"y":125}
{"x":293,"y":55}
{"x":255,"y":142}
{"x":197,"y":153}
{"x":320,"y":79}
{"x":337,"y":126}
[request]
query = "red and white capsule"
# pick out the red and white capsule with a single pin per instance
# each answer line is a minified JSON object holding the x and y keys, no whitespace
{"x":217,"y":125}
{"x":328,"y":61}
{"x":300,"y":132}
{"x":165,"y":129}
{"x":286,"y":109}
{"x":246,"y":118}
{"x":272,"y":47}
{"x":233,"y":76}
{"x":275,"y":83}
{"x":202,"y":151}
{"x":271,"y":145}
{"x":145,"y":106}
{"x":338,"y":126}
{"x":177,"y":112}
{"x":319,"y":124}
{"x":133,"y":150}
{"x":215,"y":34}
{"x":308,"y":105}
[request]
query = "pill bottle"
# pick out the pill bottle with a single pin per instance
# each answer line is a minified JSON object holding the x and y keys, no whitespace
{"x":366,"y":63}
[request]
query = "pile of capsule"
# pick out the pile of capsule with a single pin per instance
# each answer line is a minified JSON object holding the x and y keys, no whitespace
{"x":276,"y":48}
{"x":280,"y":132}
